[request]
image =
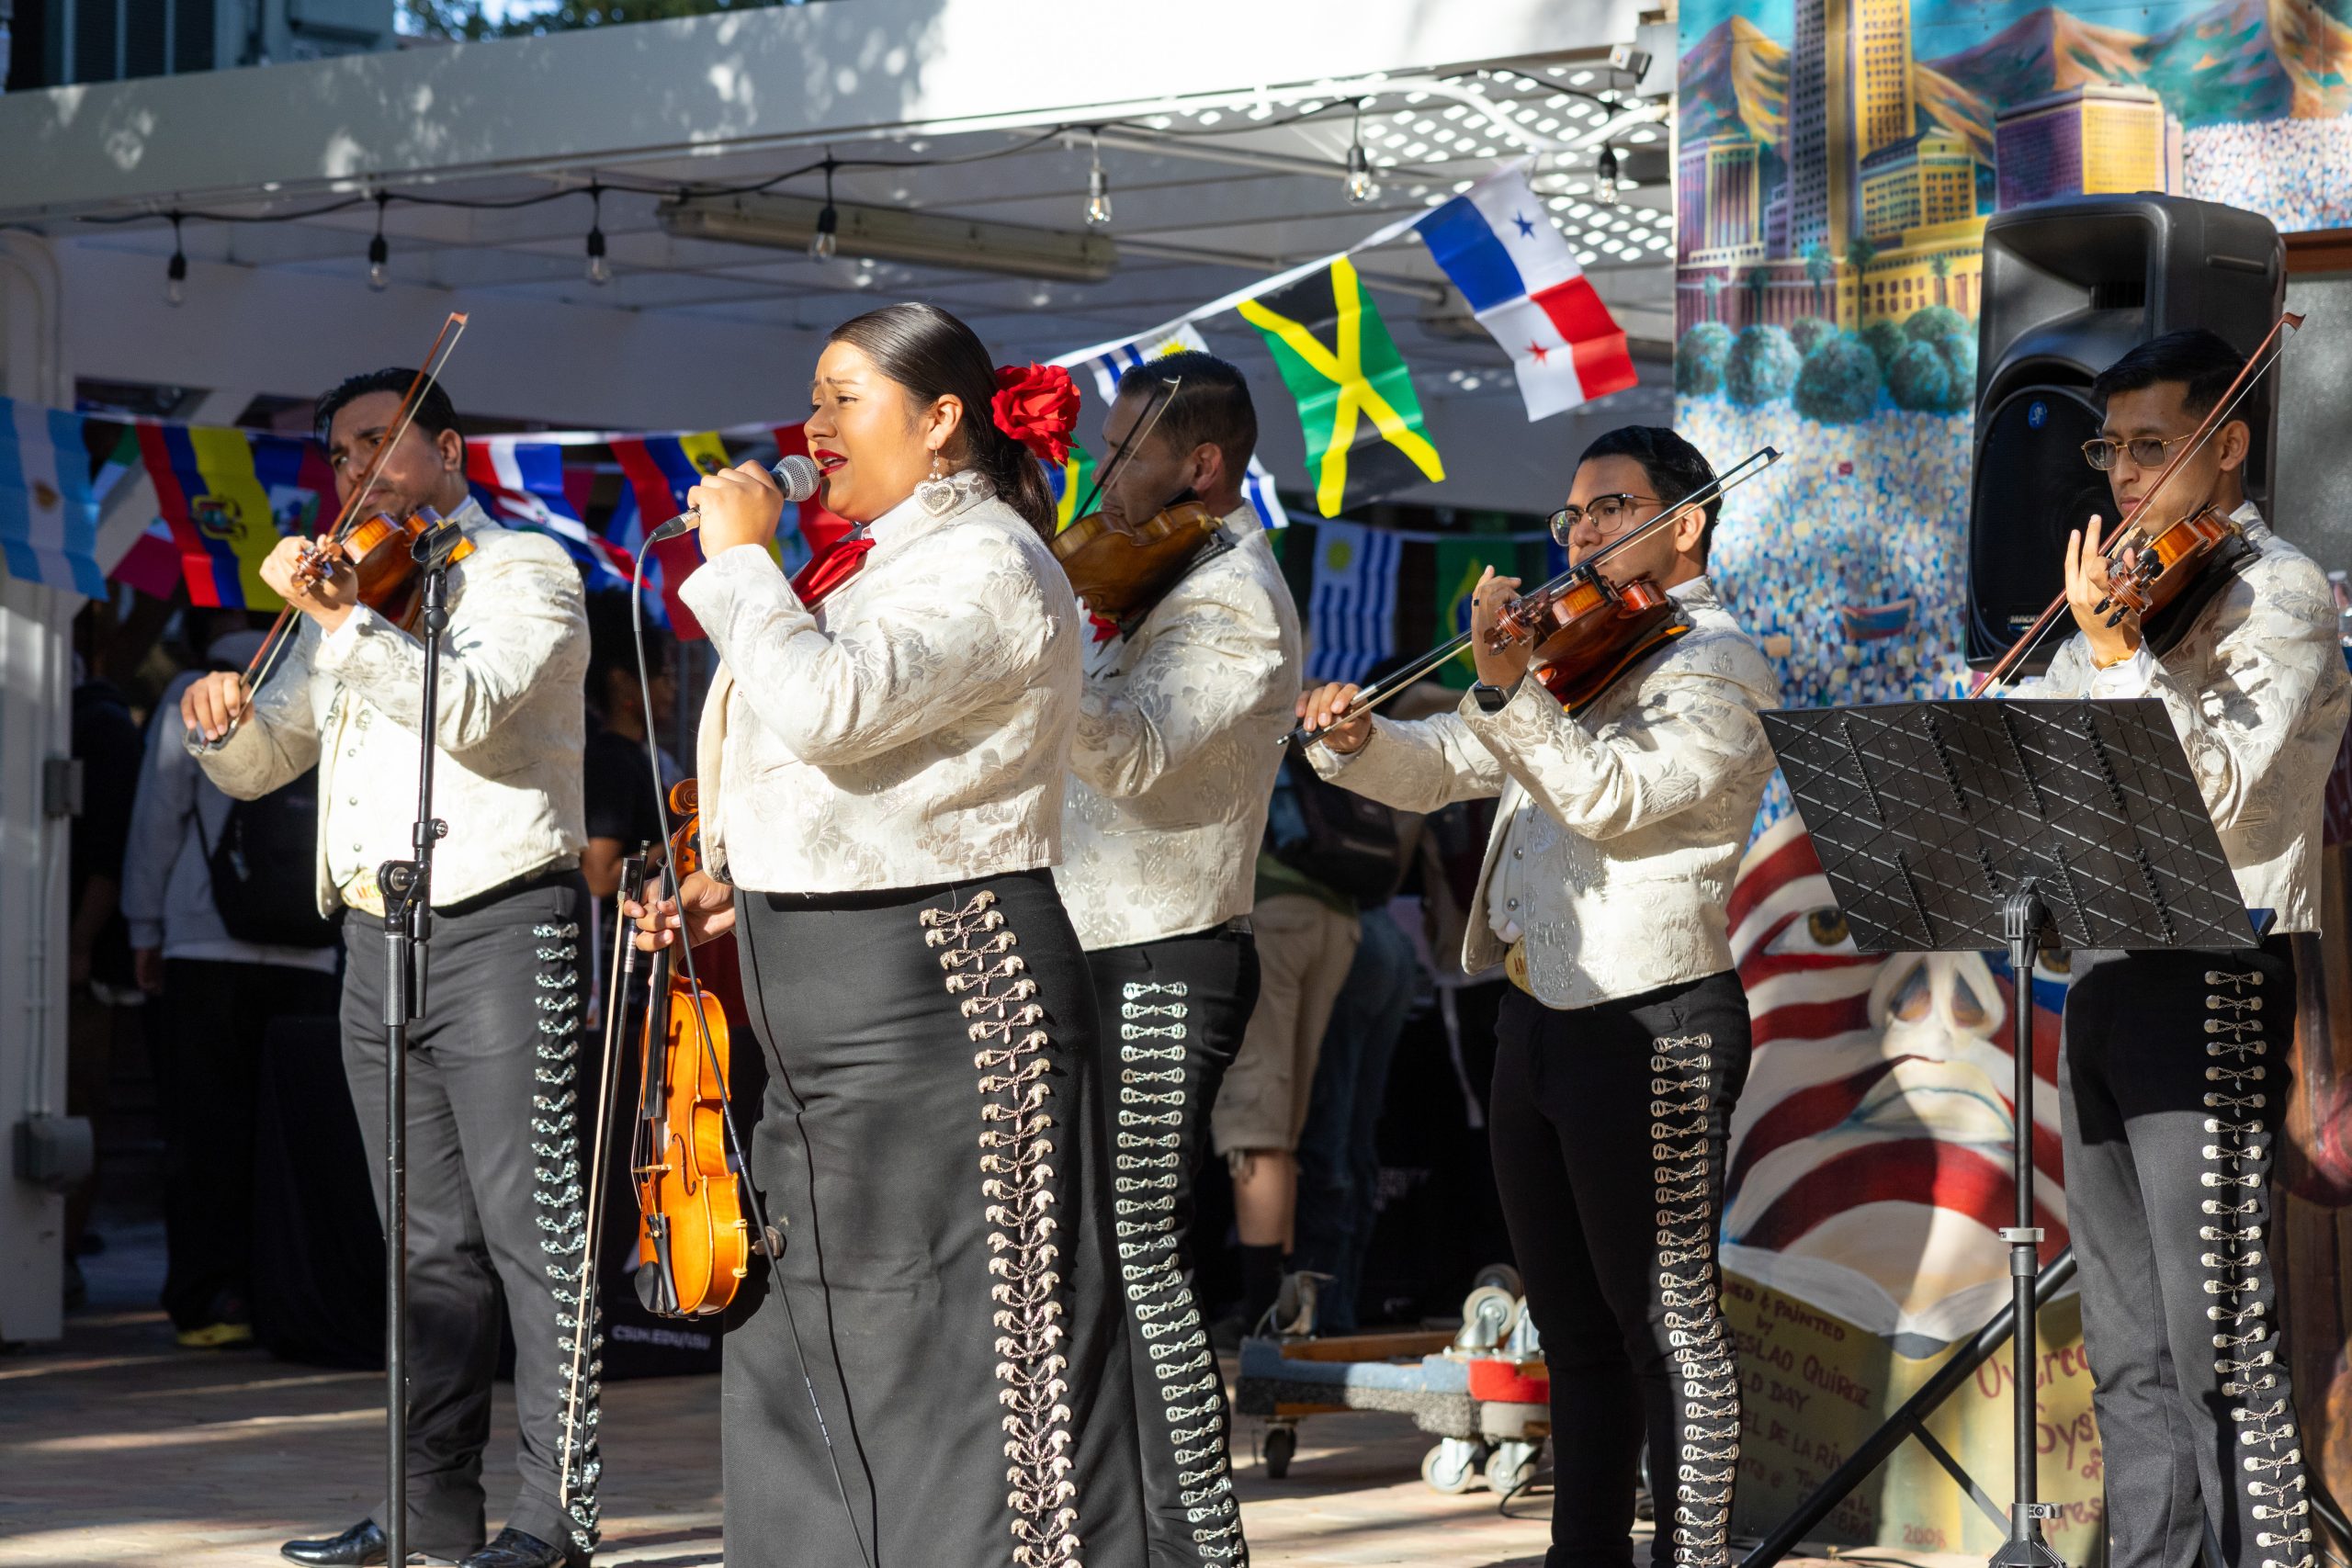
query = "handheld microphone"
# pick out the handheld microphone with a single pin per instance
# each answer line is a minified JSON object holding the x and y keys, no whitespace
{"x":794,"y":474}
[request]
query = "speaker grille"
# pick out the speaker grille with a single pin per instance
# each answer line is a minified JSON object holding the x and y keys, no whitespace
{"x":2032,"y":487}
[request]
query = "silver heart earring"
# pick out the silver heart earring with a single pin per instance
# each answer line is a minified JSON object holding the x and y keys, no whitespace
{"x":936,"y":494}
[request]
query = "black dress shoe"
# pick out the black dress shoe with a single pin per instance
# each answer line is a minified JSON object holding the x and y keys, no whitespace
{"x":362,"y":1543}
{"x":514,"y":1548}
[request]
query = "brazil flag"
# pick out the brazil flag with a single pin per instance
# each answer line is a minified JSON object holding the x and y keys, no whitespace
{"x":1355,"y":398}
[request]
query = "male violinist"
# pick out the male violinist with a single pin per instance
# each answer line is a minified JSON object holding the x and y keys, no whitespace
{"x":1624,"y":1045}
{"x":493,"y":1096}
{"x":1179,"y":738}
{"x":2177,"y":1074}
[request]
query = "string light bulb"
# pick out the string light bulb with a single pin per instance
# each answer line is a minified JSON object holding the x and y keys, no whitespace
{"x":600,"y":271}
{"x":1359,"y":183}
{"x":823,"y":243}
{"x":176,"y":273}
{"x":379,"y":255}
{"x":1098,"y":189}
{"x":1604,"y":172}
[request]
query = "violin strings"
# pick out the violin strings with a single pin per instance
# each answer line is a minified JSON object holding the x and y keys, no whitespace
{"x":1134,"y":438}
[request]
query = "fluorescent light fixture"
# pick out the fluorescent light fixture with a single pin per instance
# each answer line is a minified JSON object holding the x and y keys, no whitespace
{"x":896,"y":234}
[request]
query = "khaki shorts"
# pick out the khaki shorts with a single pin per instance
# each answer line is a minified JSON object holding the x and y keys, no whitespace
{"x":1303,"y":949}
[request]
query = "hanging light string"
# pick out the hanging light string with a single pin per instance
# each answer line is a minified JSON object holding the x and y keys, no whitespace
{"x":1362,"y":182}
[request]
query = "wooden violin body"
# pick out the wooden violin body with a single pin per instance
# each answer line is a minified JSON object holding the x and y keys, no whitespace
{"x":1588,"y":631}
{"x":1122,"y":573}
{"x":2169,"y":578}
{"x":381,"y":551}
{"x":694,"y":1246}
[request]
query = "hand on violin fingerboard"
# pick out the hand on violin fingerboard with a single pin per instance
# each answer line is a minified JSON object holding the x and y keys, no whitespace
{"x":328,"y":597}
{"x":705,"y":909}
{"x":2091,"y":596}
{"x":1504,"y":666}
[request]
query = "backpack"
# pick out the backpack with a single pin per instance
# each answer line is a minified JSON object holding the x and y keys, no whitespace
{"x":1335,"y":836}
{"x":262,"y":878}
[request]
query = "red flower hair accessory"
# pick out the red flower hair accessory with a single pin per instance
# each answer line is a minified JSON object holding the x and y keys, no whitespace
{"x":1038,"y":406}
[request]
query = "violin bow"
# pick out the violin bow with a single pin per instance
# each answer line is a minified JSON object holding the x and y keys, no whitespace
{"x":1379,"y":692}
{"x":1132,"y":439}
{"x":2266,"y":354}
{"x":265,"y":659}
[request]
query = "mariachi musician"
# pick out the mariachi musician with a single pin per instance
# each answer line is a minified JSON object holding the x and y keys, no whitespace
{"x":1178,"y":741}
{"x":1624,"y":1044}
{"x":2175,"y":1081}
{"x":881,"y":781}
{"x":493,"y":1194}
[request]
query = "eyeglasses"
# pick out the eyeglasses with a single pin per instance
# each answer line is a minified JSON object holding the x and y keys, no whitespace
{"x":1608,"y":514}
{"x":2147,"y":451}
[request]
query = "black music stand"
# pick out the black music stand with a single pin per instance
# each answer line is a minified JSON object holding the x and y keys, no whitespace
{"x":1962,"y":826}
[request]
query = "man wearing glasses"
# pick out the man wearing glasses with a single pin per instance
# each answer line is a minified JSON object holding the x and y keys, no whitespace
{"x":1625,"y":1046}
{"x":2174,"y":1079}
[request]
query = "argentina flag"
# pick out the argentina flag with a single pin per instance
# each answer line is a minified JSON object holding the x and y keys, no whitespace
{"x":48,"y":518}
{"x":1351,"y":608}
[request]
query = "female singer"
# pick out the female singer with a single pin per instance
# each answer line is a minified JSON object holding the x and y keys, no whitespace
{"x":882,"y":777}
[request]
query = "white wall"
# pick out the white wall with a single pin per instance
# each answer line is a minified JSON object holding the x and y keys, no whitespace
{"x":34,"y":679}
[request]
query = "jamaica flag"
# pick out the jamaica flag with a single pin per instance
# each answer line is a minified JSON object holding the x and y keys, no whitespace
{"x":1355,"y":398}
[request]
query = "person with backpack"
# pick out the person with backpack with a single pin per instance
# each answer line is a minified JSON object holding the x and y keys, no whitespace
{"x":220,"y":974}
{"x":494,"y":1080}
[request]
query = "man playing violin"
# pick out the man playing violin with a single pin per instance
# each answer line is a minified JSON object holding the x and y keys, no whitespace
{"x":2176,"y":1075}
{"x":1624,"y":1045}
{"x":493,"y":1096}
{"x":1178,"y":742}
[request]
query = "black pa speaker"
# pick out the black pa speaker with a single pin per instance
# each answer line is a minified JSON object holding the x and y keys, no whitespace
{"x":2069,"y":286}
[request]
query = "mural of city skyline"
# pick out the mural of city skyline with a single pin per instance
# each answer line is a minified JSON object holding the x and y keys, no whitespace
{"x":1837,"y":157}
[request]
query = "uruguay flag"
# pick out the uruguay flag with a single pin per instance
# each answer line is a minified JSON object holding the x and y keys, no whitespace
{"x":1352,"y":607}
{"x":1496,"y":243}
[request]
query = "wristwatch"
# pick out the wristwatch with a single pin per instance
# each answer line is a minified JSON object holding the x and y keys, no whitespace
{"x":1490,"y":699}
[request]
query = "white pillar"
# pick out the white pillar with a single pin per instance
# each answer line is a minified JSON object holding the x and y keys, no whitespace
{"x":34,"y":682}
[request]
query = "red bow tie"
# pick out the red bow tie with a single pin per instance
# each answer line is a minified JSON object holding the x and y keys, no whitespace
{"x":828,"y":571}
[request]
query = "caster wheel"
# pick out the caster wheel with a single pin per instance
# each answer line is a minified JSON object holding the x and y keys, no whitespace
{"x":1452,"y":1466}
{"x":1509,"y":1467}
{"x":1502,"y":1275}
{"x":1282,"y":1444}
{"x":1487,"y":1313}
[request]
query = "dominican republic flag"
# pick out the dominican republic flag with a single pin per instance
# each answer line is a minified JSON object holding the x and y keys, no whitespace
{"x":1257,"y":485}
{"x":1351,"y":608}
{"x":49,"y":519}
{"x":1496,"y":243}
{"x":519,"y":482}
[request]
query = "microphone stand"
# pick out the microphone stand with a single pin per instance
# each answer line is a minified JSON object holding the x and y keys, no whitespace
{"x":408,"y":934}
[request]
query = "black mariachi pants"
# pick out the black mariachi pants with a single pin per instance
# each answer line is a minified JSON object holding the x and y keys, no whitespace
{"x":1173,"y":1011}
{"x":2175,"y":1090}
{"x":495,"y":1180}
{"x":1608,"y":1126}
{"x":932,"y":1146}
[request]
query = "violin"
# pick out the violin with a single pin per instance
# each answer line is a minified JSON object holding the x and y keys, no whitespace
{"x":694,"y":1244}
{"x":2165,"y":575}
{"x":382,"y":552}
{"x":1120,"y":573}
{"x":1587,"y":630}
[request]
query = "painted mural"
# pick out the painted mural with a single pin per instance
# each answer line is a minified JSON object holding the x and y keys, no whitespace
{"x":1836,"y":162}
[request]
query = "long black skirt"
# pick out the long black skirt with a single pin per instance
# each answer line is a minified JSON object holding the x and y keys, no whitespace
{"x":932,"y":1145}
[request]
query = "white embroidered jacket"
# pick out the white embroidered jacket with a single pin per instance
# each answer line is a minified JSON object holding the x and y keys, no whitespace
{"x":1623,"y":827}
{"x":509,"y":723}
{"x":1179,"y":739}
{"x":2258,"y":694}
{"x":913,"y":728}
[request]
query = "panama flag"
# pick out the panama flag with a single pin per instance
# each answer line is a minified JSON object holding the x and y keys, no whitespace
{"x":49,"y":519}
{"x":1496,"y":243}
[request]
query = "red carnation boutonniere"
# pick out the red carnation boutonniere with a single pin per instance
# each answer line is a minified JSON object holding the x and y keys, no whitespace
{"x":1038,"y":406}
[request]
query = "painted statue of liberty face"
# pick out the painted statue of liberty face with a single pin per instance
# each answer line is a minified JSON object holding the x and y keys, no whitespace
{"x":1870,"y":1156}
